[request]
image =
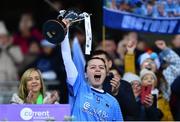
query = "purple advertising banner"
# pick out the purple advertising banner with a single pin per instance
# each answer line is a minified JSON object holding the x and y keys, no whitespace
{"x":27,"y":112}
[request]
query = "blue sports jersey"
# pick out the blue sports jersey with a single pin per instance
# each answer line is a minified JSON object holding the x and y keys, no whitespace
{"x":86,"y":103}
{"x":90,"y":104}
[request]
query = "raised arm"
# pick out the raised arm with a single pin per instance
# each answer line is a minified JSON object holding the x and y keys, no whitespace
{"x":71,"y":70}
{"x":129,"y":60}
{"x":167,"y":54}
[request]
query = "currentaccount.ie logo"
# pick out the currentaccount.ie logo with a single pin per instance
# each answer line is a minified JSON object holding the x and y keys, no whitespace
{"x":28,"y":114}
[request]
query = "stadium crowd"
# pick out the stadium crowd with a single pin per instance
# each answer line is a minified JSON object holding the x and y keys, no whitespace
{"x":148,"y":8}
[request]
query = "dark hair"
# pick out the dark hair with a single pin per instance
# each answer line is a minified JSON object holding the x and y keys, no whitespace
{"x":117,"y":69}
{"x":101,"y":52}
{"x":92,"y":59}
{"x":150,"y":3}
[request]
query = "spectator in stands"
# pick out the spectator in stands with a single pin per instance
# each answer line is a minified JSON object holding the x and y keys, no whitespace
{"x":177,"y":3}
{"x":149,"y":78}
{"x":171,"y":69}
{"x":51,"y":66}
{"x":148,"y":109}
{"x":32,"y":90}
{"x":132,"y":52}
{"x":150,"y":60}
{"x":135,"y":82}
{"x":10,"y":56}
{"x":139,"y":9}
{"x":148,"y":9}
{"x":30,"y":57}
{"x":124,"y":6}
{"x":27,"y":33}
{"x":110,"y":47}
{"x":44,"y":61}
{"x":88,"y":99}
{"x":160,"y":10}
{"x":170,"y":8}
{"x":121,"y":49}
{"x":176,"y":44}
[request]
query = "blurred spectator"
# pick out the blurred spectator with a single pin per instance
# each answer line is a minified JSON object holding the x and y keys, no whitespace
{"x":124,"y":6}
{"x":132,"y":52}
{"x":30,"y":56}
{"x":160,"y":10}
{"x":177,"y":3}
{"x":44,"y":62}
{"x":139,"y":9}
{"x":110,"y":48}
{"x":135,"y":82}
{"x":148,"y":9}
{"x":10,"y":56}
{"x":170,"y":8}
{"x":121,"y":49}
{"x":176,"y":44}
{"x":113,"y":5}
{"x":141,"y":45}
{"x":26,"y":33}
{"x":149,"y":60}
{"x":172,"y":68}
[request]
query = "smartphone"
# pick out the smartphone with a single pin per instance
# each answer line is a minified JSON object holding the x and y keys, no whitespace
{"x":106,"y":85}
{"x":109,"y":76}
{"x":145,"y":90}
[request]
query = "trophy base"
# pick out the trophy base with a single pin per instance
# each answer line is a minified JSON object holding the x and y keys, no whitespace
{"x":54,"y":31}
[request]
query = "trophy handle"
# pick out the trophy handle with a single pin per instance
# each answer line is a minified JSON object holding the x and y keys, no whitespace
{"x":54,"y":31}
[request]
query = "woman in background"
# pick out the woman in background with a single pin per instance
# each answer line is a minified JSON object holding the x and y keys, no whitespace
{"x":32,"y":90}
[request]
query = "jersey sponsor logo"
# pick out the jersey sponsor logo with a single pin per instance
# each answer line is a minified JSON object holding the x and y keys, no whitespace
{"x":98,"y":113}
{"x":86,"y":105}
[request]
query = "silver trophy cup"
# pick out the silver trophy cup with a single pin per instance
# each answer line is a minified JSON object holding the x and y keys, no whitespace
{"x":55,"y":30}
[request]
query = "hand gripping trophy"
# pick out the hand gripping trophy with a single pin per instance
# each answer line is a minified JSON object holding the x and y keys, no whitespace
{"x":55,"y":30}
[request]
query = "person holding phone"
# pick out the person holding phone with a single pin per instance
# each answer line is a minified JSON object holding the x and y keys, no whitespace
{"x":166,"y":75}
{"x":149,"y":95}
{"x":32,"y":90}
{"x":142,"y":89}
{"x":148,"y":86}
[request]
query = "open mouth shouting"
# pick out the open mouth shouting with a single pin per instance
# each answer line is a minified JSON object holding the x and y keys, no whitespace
{"x":97,"y":77}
